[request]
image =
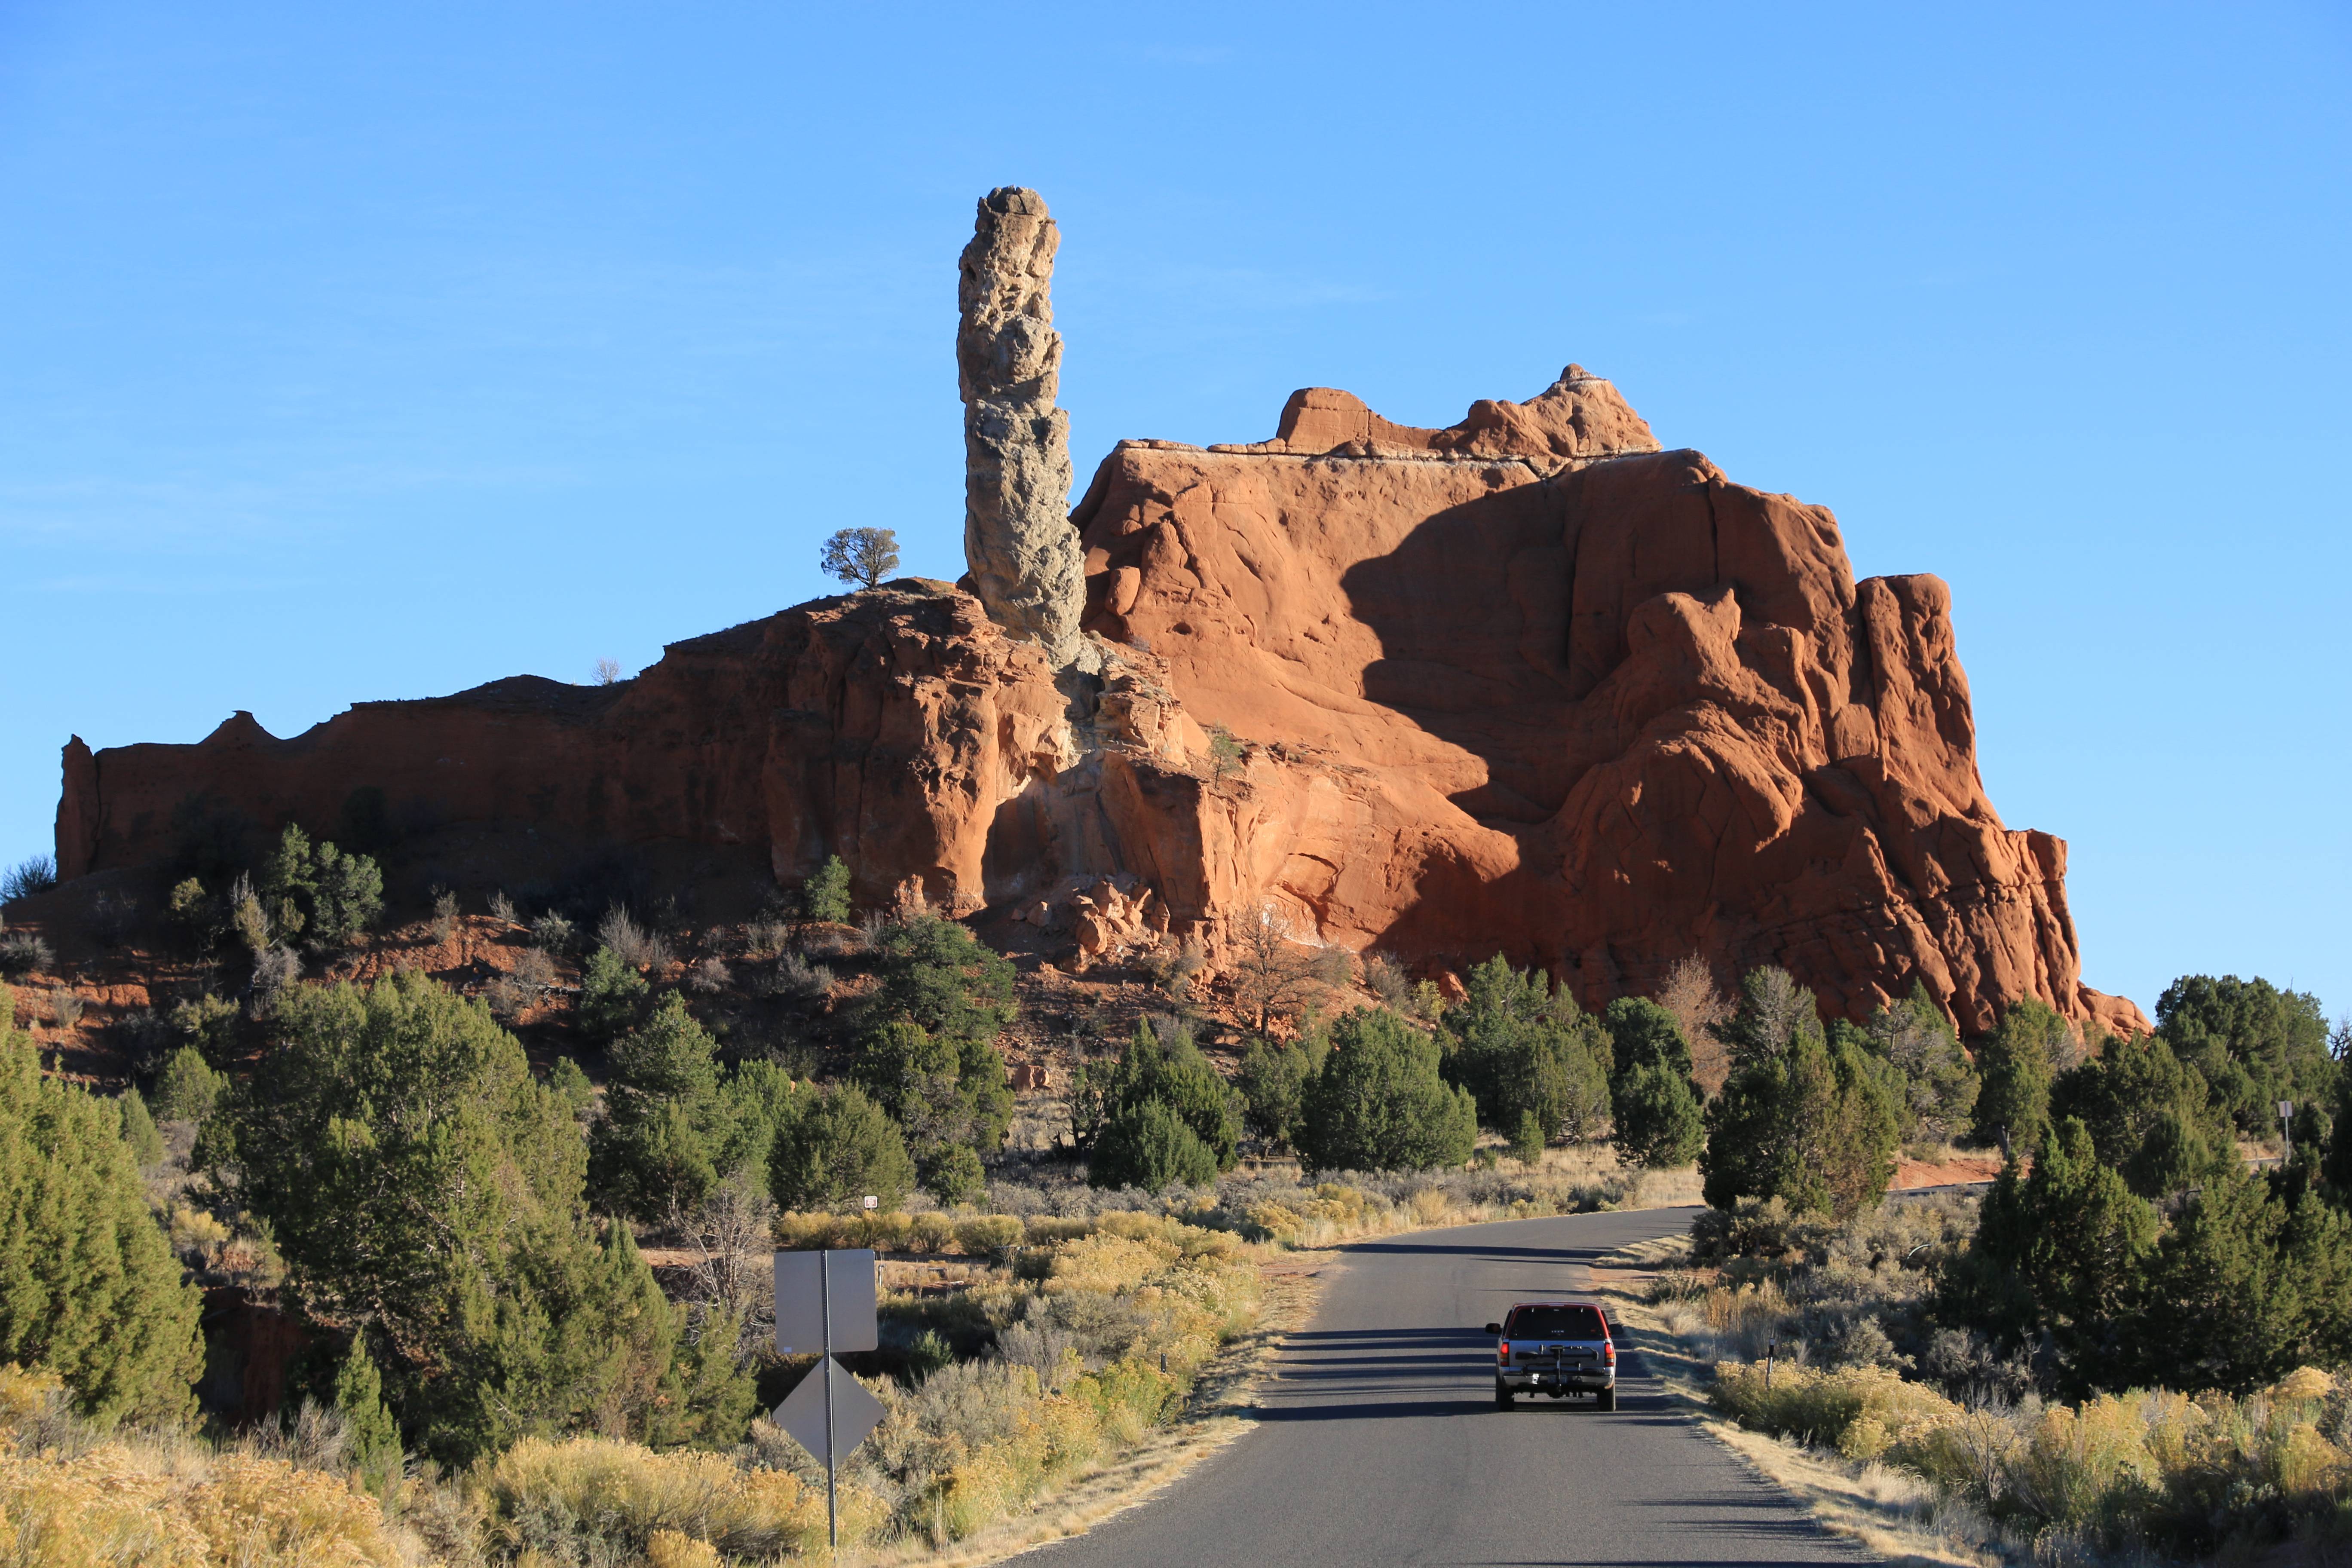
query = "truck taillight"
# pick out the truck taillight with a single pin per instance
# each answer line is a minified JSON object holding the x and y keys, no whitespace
{"x":1502,"y":1353}
{"x":1608,"y":1351}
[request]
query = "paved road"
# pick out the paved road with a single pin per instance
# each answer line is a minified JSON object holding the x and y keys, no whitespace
{"x":1380,"y":1444}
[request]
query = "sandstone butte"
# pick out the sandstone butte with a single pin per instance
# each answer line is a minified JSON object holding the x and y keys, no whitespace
{"x":1528,"y":684}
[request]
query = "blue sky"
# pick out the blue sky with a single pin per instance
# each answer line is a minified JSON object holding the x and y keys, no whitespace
{"x":363,"y":352}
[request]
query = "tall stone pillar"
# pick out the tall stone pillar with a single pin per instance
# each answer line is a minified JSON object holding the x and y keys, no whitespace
{"x":1018,"y":539}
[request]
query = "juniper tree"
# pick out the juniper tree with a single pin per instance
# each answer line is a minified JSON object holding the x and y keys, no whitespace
{"x":1379,"y":1103}
{"x":89,"y":1287}
{"x":2017,"y":1062}
{"x":1652,"y":1099}
{"x":826,"y":896}
{"x":1522,"y":1049}
{"x":1147,"y":1144}
{"x":841,"y":1149}
{"x":1804,"y":1117}
{"x":665,"y":1123}
{"x":2255,"y":1044}
{"x":416,"y":1177}
{"x":861,"y":557}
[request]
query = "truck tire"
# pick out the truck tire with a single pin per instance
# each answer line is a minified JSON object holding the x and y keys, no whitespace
{"x":1502,"y":1394}
{"x":1605,"y":1400}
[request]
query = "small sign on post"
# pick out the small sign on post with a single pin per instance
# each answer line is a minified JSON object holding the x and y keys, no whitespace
{"x":872,"y":1203}
{"x":2286,"y":1126}
{"x":824,"y":1303}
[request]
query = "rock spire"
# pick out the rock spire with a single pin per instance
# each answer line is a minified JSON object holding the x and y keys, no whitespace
{"x":1017,"y":538}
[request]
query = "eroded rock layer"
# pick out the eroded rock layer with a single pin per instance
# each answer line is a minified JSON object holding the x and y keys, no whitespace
{"x":1024,"y":564}
{"x":1528,"y":684}
{"x":1531,"y":684}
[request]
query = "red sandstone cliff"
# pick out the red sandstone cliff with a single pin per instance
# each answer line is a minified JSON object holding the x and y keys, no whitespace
{"x":1527,"y":684}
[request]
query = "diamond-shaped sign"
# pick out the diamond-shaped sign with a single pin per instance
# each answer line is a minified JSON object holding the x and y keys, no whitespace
{"x":855,"y":1412}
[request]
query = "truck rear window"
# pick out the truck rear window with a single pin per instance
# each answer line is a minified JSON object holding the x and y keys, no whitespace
{"x":1556,"y":1324}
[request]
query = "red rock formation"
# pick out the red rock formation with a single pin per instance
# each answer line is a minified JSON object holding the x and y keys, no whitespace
{"x":1528,"y":684}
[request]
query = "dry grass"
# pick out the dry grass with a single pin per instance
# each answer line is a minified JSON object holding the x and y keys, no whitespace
{"x":162,"y":1502}
{"x":2123,"y":1478}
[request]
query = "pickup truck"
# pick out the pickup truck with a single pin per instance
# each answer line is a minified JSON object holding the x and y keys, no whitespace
{"x":1557,"y":1347}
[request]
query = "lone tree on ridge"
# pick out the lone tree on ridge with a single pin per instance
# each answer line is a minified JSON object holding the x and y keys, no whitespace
{"x":861,"y":557}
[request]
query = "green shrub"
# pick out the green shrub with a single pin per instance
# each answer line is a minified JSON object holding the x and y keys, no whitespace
{"x":826,"y":896}
{"x":612,"y":995}
{"x":416,"y":1175}
{"x":88,"y":1287}
{"x":139,"y":1133}
{"x":319,"y":894}
{"x":1520,"y":1048}
{"x":1659,"y":1123}
{"x":1528,"y":1142}
{"x":951,"y":1174}
{"x":1379,"y":1104}
{"x":841,"y":1149}
{"x":373,"y":1438}
{"x":1802,"y":1117}
{"x":208,"y":1024}
{"x":187,"y":1089}
{"x":1148,"y":1145}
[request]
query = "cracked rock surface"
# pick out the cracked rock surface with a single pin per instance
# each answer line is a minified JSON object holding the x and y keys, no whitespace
{"x":1027,"y":566}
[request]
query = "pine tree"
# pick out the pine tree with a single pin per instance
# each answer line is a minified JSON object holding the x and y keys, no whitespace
{"x":88,"y":1287}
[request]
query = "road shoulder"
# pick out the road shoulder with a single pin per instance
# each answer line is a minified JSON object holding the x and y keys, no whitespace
{"x":1883,"y":1511}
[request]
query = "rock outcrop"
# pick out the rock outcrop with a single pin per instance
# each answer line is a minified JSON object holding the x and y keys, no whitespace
{"x":899,"y":729}
{"x":1528,"y":685}
{"x":1017,"y":540}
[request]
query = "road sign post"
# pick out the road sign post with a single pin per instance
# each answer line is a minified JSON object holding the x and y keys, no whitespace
{"x":825,"y":1302}
{"x":2287,"y":1128}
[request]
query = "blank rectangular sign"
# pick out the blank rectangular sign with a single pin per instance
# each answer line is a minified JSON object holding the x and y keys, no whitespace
{"x":801,"y":1281}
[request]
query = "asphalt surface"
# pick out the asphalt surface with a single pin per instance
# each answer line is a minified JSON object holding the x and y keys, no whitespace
{"x":1379,"y":1442}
